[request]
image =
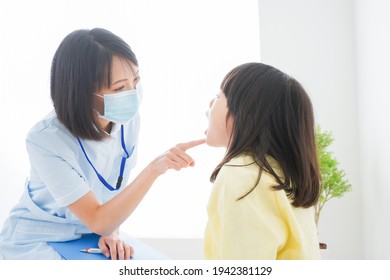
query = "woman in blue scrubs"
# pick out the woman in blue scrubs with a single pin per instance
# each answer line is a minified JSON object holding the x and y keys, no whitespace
{"x":81,"y":153}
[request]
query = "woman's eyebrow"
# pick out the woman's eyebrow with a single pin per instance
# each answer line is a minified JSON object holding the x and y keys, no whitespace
{"x":121,"y":80}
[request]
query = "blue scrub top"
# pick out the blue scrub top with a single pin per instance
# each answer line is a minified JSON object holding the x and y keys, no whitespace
{"x":60,"y":175}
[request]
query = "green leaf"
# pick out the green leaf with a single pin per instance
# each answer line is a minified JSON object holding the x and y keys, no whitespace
{"x":333,"y":178}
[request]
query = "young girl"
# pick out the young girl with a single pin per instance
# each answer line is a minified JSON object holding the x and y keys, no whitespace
{"x":82,"y":153}
{"x":261,"y":205}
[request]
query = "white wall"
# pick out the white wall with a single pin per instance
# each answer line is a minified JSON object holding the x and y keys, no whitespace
{"x":314,"y":41}
{"x":373,"y":45}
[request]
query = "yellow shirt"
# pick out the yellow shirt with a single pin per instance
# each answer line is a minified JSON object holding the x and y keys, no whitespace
{"x":262,"y":225}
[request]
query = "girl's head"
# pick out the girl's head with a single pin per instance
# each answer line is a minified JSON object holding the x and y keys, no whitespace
{"x":263,"y":112}
{"x":89,"y":62}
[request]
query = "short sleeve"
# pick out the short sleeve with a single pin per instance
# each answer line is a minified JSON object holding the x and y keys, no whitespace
{"x":51,"y":159}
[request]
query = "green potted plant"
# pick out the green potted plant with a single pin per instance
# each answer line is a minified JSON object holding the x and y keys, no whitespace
{"x":334,"y":183}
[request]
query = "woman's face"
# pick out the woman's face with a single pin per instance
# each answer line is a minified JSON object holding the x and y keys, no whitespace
{"x":220,"y":129}
{"x":124,"y":76}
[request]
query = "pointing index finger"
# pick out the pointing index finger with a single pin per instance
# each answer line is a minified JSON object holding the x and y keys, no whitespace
{"x":188,"y":145}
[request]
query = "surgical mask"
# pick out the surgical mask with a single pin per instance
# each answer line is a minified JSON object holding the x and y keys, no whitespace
{"x":121,"y":107}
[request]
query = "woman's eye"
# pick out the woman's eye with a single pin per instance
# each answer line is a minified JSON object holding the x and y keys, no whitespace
{"x":120,"y":88}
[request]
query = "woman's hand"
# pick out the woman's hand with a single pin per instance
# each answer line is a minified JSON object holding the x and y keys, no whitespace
{"x":115,"y":248}
{"x":175,"y":158}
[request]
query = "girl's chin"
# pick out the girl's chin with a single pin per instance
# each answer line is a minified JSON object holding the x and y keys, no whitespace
{"x":211,"y":143}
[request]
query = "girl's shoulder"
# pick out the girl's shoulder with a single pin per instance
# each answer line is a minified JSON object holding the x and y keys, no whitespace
{"x":244,"y":162}
{"x":241,"y":160}
{"x":242,"y":172}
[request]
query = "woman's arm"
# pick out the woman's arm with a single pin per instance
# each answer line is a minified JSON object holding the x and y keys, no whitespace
{"x":104,"y":219}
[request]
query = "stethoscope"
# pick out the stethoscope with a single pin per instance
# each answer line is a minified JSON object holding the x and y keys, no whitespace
{"x":122,"y":167}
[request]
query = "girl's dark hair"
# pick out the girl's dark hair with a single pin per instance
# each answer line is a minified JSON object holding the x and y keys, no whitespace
{"x":80,"y":67}
{"x":273,"y":116}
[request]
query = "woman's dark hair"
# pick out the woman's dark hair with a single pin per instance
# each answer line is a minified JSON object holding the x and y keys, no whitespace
{"x":80,"y":67}
{"x":273,"y":116}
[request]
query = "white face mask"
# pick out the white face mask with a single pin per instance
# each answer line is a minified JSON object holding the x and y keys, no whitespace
{"x":121,"y":107}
